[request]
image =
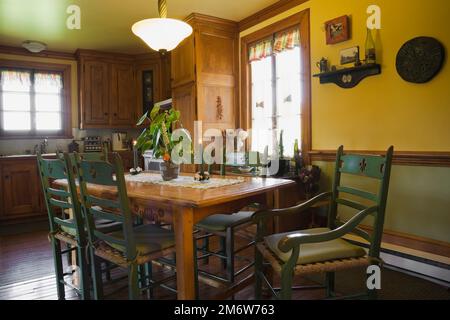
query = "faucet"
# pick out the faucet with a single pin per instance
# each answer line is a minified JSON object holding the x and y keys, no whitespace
{"x":42,"y":147}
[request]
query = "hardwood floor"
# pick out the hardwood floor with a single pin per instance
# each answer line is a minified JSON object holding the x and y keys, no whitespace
{"x":26,"y":273}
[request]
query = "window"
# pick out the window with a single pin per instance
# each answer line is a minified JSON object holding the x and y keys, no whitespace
{"x":33,"y":102}
{"x":275,"y":92}
{"x":276,"y":85}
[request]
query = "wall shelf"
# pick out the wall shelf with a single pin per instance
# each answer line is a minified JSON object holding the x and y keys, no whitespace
{"x":349,"y":77}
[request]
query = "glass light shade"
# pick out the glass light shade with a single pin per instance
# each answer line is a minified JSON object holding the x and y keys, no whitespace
{"x":162,"y":33}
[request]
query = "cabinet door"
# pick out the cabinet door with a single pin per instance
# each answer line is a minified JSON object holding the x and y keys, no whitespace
{"x":21,"y":190}
{"x":149,"y":87}
{"x":123,"y":95}
{"x":184,"y":100}
{"x":183,"y":63}
{"x":95,"y":93}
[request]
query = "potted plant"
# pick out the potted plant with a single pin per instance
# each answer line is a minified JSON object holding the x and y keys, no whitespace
{"x":158,"y":137}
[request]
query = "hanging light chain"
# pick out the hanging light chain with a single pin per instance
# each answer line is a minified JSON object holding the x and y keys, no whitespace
{"x":162,"y":8}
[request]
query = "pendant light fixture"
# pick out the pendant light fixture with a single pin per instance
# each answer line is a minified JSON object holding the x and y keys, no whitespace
{"x":162,"y":34}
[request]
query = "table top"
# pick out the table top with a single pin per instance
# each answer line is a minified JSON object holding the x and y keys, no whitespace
{"x":189,"y":197}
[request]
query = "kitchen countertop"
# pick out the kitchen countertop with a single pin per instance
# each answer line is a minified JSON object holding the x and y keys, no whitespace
{"x":25,"y":156}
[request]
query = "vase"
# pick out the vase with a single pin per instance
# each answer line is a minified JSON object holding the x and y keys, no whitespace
{"x":169,"y":170}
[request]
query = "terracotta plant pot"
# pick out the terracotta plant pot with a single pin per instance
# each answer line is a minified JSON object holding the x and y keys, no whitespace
{"x":169,"y":170}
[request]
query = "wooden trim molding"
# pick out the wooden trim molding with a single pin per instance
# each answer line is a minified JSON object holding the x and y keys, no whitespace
{"x":300,"y":19}
{"x":268,"y":12}
{"x":408,"y":158}
{"x":44,"y":54}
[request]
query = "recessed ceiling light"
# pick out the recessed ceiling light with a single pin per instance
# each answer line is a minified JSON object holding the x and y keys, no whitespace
{"x":34,"y":46}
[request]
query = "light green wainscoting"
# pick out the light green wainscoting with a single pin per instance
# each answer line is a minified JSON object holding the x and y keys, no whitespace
{"x":418,"y":201}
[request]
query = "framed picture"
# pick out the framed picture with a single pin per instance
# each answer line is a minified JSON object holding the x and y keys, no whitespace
{"x":350,"y":55}
{"x":337,"y":30}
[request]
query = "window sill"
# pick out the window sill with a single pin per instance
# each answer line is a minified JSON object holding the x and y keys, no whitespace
{"x":36,"y":137}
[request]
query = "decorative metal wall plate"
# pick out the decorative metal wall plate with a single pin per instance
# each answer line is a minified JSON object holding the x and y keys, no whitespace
{"x":420,"y":59}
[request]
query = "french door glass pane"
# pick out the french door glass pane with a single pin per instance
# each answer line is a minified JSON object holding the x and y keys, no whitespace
{"x":262,"y":104}
{"x":288,"y":109}
{"x":48,"y":121}
{"x":16,"y":121}
{"x":48,"y":102}
{"x":16,"y":101}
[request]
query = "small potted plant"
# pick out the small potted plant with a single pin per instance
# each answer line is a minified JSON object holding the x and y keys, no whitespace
{"x":157,"y":137}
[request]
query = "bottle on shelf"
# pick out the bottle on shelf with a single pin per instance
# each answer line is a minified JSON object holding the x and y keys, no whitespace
{"x":370,"y":48}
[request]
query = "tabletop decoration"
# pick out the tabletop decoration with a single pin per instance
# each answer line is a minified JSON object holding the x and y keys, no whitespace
{"x":158,"y":137}
{"x":202,"y":176}
{"x":183,"y":181}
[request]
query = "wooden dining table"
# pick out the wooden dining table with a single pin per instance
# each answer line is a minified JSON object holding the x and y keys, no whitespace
{"x":184,"y":207}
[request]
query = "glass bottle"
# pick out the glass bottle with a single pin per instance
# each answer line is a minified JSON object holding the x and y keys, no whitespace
{"x":370,"y":48}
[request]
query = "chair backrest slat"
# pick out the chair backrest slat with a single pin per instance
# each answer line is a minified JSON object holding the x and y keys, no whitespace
{"x":61,"y":204}
{"x":351,"y":204}
{"x":359,"y":193}
{"x":363,"y":165}
{"x":101,"y":214}
{"x":95,"y":201}
{"x":58,"y":192}
{"x":96,"y":172}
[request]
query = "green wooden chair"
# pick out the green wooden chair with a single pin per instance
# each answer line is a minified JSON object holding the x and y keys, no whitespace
{"x":65,"y":229}
{"x":225,"y":226}
{"x":128,"y":248}
{"x":324,"y":250}
{"x":65,"y":215}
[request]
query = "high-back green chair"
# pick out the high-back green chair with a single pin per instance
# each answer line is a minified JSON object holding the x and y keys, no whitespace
{"x":69,"y":230}
{"x":225,"y":226}
{"x":129,"y":247}
{"x":324,"y":250}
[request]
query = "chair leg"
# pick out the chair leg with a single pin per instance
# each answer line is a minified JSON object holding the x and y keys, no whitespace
{"x":258,"y":273}
{"x":148,"y":267}
{"x":108,"y":270}
{"x":83,"y":273}
{"x":287,"y":275}
{"x":197,"y":293}
{"x":230,"y":254}
{"x":329,"y":283}
{"x":96,"y":275}
{"x":223,"y":250}
{"x":133,"y":283}
{"x":205,"y":247}
{"x":57,"y":258}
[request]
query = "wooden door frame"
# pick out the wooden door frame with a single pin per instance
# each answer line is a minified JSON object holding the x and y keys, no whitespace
{"x":302,"y":20}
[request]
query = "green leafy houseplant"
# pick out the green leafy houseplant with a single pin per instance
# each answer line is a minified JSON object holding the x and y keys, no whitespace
{"x":158,"y":137}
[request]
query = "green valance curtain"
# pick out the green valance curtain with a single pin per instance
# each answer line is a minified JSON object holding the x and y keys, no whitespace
{"x":278,"y":43}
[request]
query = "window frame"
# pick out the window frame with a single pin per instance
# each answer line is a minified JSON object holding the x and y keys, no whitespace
{"x":301,"y":21}
{"x":66,"y":102}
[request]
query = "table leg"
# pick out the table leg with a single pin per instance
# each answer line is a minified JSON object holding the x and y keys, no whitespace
{"x":272,"y":201}
{"x":184,"y":245}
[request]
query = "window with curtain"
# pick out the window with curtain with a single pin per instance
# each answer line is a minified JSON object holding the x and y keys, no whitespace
{"x":275,"y":70}
{"x":31,"y":102}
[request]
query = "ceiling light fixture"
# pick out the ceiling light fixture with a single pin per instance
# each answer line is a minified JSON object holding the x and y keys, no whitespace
{"x":162,"y":34}
{"x":34,"y":46}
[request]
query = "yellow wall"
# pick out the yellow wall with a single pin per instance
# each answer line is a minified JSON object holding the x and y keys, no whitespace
{"x":73,"y":80}
{"x":385,"y":110}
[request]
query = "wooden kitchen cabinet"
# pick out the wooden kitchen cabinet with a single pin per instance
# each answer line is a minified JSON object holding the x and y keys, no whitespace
{"x":21,"y":191}
{"x":106,"y":90}
{"x":205,"y":73}
{"x":111,"y":86}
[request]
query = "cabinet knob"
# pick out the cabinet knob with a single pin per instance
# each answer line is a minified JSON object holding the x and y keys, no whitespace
{"x":115,"y":114}
{"x":6,"y":177}
{"x":106,"y":113}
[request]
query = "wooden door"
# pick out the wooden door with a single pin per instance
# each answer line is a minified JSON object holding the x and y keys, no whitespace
{"x":122,"y":95}
{"x":95,"y":93}
{"x":21,"y":190}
